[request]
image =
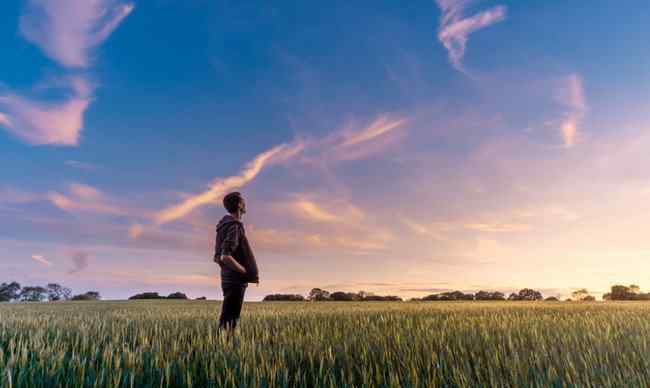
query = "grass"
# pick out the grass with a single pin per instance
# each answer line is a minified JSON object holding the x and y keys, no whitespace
{"x":328,"y":344}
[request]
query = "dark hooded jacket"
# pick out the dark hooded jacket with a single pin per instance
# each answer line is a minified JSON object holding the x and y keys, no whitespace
{"x":231,"y":240}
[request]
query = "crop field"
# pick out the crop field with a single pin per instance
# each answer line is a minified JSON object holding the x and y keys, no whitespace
{"x":329,"y":344}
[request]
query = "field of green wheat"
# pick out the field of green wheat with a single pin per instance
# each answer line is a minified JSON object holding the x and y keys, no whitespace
{"x":326,"y":344}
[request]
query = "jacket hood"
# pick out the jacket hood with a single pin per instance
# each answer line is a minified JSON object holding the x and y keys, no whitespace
{"x":226,"y":221}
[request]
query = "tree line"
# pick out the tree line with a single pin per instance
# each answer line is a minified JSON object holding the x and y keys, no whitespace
{"x":154,"y":295}
{"x":318,"y":294}
{"x":52,"y":292}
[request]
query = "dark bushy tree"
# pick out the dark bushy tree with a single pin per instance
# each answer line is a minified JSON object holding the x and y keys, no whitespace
{"x":90,"y":295}
{"x":9,"y":291}
{"x":147,"y":295}
{"x":450,"y":295}
{"x":344,"y":296}
{"x":33,"y":294}
{"x":177,"y":295}
{"x":488,"y":295}
{"x":56,"y":292}
{"x":317,"y":294}
{"x":526,"y":294}
{"x":620,"y":292}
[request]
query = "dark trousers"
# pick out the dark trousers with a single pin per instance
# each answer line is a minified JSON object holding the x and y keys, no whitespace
{"x":233,"y":298}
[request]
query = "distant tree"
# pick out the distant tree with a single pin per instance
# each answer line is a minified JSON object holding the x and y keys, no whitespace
{"x":9,"y":291}
{"x":362,"y":295}
{"x":526,"y":294}
{"x":33,"y":294}
{"x":56,"y":292}
{"x":589,"y":298}
{"x":146,"y":295}
{"x":201,"y":298}
{"x":344,"y":296}
{"x":90,"y":295}
{"x":177,"y":295}
{"x":450,"y":295}
{"x":620,"y":292}
{"x":317,"y":294}
{"x":552,"y":299}
{"x":487,"y":295}
{"x":580,"y":294}
{"x":284,"y":297}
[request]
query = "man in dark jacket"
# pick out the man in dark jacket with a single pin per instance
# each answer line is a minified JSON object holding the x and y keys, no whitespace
{"x":235,"y":257}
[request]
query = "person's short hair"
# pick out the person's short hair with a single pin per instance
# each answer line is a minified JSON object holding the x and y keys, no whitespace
{"x":231,"y":201}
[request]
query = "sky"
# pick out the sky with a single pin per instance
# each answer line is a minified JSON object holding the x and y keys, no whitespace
{"x":399,"y":148}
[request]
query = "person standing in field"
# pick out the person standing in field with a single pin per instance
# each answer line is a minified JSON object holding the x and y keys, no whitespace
{"x":234,"y":255}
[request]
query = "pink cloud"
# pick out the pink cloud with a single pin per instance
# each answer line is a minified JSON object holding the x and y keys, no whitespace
{"x":67,"y":30}
{"x":41,"y":260}
{"x":571,"y":95}
{"x":85,"y":198}
{"x":40,"y":122}
{"x":322,"y":210}
{"x":355,"y":141}
{"x":454,"y":31}
{"x":221,"y":186}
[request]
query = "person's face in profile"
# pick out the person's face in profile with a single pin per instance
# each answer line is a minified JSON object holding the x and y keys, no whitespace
{"x":242,"y":206}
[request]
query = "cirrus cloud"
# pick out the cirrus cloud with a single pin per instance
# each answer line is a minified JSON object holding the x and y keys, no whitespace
{"x":40,"y":122}
{"x":454,"y":30}
{"x":67,"y":30}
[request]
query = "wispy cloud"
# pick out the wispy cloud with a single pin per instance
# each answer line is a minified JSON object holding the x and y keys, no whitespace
{"x":67,"y":30}
{"x":354,"y":142}
{"x":85,"y":198}
{"x":435,"y":230}
{"x":221,"y":186}
{"x":38,"y":122}
{"x":440,"y":230}
{"x":41,"y":260}
{"x":454,"y":30}
{"x":342,"y":144}
{"x":379,"y":127}
{"x":323,"y":210}
{"x":571,"y":95}
{"x":312,"y":211}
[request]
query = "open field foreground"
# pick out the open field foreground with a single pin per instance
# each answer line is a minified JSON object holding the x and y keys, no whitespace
{"x":331,"y":344}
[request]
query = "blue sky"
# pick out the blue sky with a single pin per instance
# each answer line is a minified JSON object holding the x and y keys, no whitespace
{"x":399,"y":149}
